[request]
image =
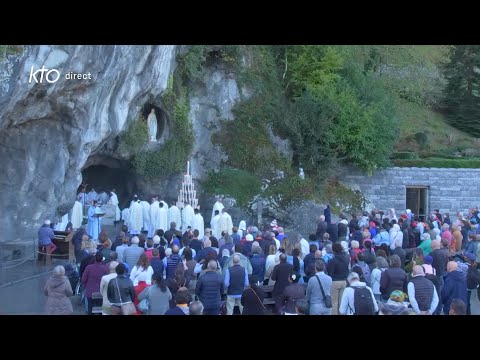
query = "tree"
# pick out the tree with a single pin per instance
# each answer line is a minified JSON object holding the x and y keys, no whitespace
{"x":461,"y":102}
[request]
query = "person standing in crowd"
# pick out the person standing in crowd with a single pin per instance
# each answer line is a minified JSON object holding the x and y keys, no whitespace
{"x":357,"y":299}
{"x":422,"y":293}
{"x":106,"y":306}
{"x":457,"y":307}
{"x":319,"y":286}
{"x":236,"y":280}
{"x":91,"y":278}
{"x":120,"y":290}
{"x":58,"y":291}
{"x":291,"y":294}
{"x":455,"y":286}
{"x":337,"y":269}
{"x":394,"y":278}
{"x":158,"y":296}
{"x":473,"y":279}
{"x":209,"y":289}
{"x":252,"y":298}
{"x":382,"y":266}
{"x":182,"y":299}
{"x":196,"y":308}
{"x":280,"y":275}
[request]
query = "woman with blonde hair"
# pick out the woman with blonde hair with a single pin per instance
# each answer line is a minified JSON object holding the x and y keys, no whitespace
{"x":58,"y":290}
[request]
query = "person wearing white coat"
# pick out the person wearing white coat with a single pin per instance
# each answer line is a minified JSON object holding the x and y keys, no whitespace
{"x":396,"y":237}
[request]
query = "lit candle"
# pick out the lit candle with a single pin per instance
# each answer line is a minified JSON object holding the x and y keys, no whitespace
{"x":188,"y":167}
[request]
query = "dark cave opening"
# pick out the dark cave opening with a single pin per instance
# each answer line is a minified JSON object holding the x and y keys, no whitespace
{"x":105,"y":173}
{"x":162,"y":118}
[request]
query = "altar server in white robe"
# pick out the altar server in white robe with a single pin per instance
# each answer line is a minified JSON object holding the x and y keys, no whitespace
{"x":187,"y":217}
{"x":114,"y":201}
{"x":174,"y":215}
{"x":136,"y":217}
{"x":217,"y":206}
{"x":146,"y":214}
{"x":214,"y":225}
{"x":154,"y":218}
{"x":198,"y":224}
{"x":126,"y":217}
{"x":163,"y":217}
{"x":225,"y":222}
{"x":77,"y":215}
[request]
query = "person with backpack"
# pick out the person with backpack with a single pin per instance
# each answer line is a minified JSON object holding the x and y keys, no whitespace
{"x":422,"y":293}
{"x":357,"y":298}
{"x":382,"y":265}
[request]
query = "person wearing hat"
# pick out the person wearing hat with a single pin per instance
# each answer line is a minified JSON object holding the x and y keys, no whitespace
{"x":473,"y":278}
{"x":45,"y":237}
{"x":395,"y":305}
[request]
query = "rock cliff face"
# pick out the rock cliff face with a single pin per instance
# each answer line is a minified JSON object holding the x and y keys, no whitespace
{"x":49,"y":130}
{"x":52,"y":131}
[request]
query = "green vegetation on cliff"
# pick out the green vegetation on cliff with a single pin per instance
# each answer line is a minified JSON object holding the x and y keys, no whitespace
{"x":338,"y":105}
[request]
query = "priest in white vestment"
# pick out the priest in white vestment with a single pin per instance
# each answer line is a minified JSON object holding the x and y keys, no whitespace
{"x":225,"y":222}
{"x":136,"y":217}
{"x":217,"y":206}
{"x":77,"y":215}
{"x":163,"y":217}
{"x":114,"y":201}
{"x":154,"y":218}
{"x":93,"y":221}
{"x":174,"y":215}
{"x":198,"y":224}
{"x":126,"y":217}
{"x":187,"y":217}
{"x":214,"y":225}
{"x":146,"y":214}
{"x":92,"y":195}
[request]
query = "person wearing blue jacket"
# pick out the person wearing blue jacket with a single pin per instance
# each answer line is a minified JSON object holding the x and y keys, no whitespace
{"x":455,"y":286}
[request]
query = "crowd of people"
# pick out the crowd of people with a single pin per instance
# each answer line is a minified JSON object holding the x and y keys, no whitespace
{"x":376,"y":263}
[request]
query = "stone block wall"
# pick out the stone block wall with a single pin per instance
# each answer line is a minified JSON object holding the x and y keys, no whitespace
{"x":449,"y":190}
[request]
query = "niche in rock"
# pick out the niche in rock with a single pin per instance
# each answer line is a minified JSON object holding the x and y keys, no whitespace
{"x":104,"y":173}
{"x":163,"y":128}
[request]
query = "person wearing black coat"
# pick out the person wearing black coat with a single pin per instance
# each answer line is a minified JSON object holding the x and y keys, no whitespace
{"x":280,"y":275}
{"x":394,"y":278}
{"x":252,"y":298}
{"x":209,"y":288}
{"x":291,"y":294}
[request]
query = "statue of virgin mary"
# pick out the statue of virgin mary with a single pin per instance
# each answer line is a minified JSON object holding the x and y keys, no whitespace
{"x":152,"y":125}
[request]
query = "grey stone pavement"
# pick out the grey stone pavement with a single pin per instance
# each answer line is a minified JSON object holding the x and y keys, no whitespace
{"x":21,"y":288}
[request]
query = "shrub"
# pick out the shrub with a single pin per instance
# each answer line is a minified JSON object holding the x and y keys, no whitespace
{"x":136,"y":136}
{"x":239,"y":184}
{"x":405,"y":155}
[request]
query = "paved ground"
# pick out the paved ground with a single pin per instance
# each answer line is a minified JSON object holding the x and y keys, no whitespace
{"x":21,"y":288}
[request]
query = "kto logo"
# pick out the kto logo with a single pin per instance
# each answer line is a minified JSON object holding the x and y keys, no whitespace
{"x":51,"y":76}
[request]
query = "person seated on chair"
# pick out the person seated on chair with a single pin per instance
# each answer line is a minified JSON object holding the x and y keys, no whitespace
{"x":45,"y":237}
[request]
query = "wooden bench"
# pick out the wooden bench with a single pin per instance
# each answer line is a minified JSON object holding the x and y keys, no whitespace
{"x":97,"y":299}
{"x":97,"y":310}
{"x":267,"y":290}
